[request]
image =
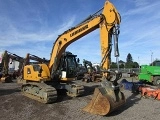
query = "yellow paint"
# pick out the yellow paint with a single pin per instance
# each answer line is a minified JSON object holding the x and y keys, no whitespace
{"x":31,"y":75}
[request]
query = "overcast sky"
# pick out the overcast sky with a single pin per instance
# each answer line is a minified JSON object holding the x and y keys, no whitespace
{"x":32,"y":26}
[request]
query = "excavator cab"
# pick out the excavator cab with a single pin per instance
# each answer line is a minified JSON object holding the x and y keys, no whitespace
{"x":67,"y":66}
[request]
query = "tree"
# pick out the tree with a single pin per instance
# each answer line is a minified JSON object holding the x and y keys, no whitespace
{"x":121,"y":64}
{"x":128,"y":64}
{"x":129,"y":58}
{"x":113,"y":65}
{"x":129,"y":61}
{"x":135,"y":65}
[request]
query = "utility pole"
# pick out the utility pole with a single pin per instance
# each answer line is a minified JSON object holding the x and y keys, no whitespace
{"x":138,"y":62}
{"x":151,"y":58}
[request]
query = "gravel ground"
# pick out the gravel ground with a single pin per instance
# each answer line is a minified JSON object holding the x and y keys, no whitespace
{"x":14,"y":106}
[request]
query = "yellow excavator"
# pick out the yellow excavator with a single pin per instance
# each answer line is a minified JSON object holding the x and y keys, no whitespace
{"x":8,"y":57}
{"x":41,"y":81}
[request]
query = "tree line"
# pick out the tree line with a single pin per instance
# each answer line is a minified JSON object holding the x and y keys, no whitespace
{"x":129,"y":63}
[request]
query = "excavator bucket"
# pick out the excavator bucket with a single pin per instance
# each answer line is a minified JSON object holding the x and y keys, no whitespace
{"x":105,"y":100}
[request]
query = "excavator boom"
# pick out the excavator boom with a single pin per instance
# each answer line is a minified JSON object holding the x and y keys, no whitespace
{"x":107,"y":20}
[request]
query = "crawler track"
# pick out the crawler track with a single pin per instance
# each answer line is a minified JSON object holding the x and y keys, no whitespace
{"x":78,"y":90}
{"x":40,"y":92}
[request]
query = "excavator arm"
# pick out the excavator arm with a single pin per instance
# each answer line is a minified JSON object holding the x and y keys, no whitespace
{"x":87,"y":63}
{"x":108,"y":22}
{"x":36,"y":58}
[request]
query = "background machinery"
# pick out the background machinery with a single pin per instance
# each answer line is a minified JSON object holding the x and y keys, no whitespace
{"x":150,"y":74}
{"x":41,"y":81}
{"x":8,"y":75}
{"x":33,"y":58}
{"x":93,"y":73}
{"x":81,"y":70}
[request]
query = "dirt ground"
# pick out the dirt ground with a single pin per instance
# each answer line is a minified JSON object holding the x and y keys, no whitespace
{"x":14,"y":106}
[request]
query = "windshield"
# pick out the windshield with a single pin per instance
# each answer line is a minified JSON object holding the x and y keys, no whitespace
{"x":71,"y":61}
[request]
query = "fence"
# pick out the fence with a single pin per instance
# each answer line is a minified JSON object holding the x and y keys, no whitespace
{"x":129,"y":72}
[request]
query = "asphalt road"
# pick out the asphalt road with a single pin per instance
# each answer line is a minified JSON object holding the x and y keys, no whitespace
{"x":15,"y":106}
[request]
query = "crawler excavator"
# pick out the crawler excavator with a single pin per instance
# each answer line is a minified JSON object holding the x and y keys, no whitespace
{"x":41,"y":81}
{"x":6,"y":76}
{"x":93,"y":73}
{"x":7,"y":56}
